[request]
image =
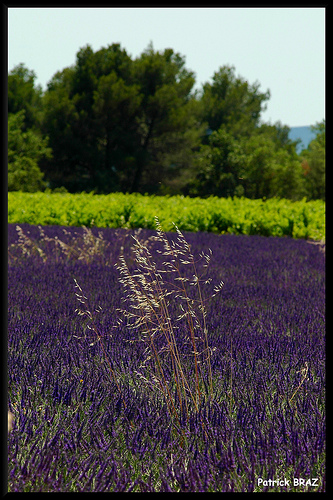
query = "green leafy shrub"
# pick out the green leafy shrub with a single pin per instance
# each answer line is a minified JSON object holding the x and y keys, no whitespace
{"x":271,"y":217}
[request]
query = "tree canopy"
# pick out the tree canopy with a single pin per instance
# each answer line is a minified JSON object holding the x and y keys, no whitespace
{"x":233,"y":102}
{"x":25,"y":149}
{"x":117,"y":123}
{"x":313,"y":163}
{"x":23,"y":94}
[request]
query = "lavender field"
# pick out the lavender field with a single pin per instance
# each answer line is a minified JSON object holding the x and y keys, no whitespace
{"x":87,"y":417}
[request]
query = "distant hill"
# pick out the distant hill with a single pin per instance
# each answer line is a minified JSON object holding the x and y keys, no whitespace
{"x":304,"y":133}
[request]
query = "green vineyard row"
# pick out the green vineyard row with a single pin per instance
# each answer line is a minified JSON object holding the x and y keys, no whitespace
{"x":271,"y":217}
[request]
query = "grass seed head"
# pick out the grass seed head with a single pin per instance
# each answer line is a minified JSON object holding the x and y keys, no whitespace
{"x":10,"y":421}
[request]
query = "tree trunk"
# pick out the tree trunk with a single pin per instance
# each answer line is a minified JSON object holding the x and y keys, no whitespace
{"x":141,"y":160}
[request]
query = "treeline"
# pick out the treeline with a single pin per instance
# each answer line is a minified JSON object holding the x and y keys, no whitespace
{"x":111,"y":123}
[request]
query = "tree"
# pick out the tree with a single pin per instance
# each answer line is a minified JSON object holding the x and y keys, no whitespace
{"x":121,"y":125}
{"x":220,"y":167}
{"x":60,"y":123}
{"x":263,"y":165}
{"x":25,"y":149}
{"x":271,"y":169}
{"x":313,"y":163}
{"x":77,"y":112}
{"x":240,"y":155}
{"x":116,"y":106}
{"x":169,"y":126}
{"x":233,"y":102}
{"x":24,"y":95}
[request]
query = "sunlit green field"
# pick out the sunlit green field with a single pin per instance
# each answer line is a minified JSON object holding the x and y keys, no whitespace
{"x":271,"y":217}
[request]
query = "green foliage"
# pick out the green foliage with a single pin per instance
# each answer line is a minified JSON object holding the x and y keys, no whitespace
{"x":231,"y":101}
{"x":271,"y":169}
{"x":262,"y":165}
{"x":169,"y":128}
{"x":314,"y":165}
{"x":87,"y":111}
{"x":220,"y":166}
{"x":24,"y":95}
{"x":117,"y":124}
{"x":25,"y":149}
{"x":116,"y":105}
{"x":271,"y":217}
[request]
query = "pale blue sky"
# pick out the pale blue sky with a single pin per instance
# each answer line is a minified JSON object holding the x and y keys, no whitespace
{"x":281,"y":48}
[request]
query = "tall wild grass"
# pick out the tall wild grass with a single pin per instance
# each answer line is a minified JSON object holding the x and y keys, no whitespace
{"x":177,"y":362}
